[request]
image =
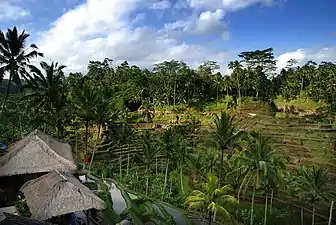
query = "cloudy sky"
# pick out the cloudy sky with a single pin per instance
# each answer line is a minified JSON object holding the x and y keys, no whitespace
{"x":145,"y":32}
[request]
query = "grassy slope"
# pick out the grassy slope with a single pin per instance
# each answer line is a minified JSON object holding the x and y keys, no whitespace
{"x":305,"y":141}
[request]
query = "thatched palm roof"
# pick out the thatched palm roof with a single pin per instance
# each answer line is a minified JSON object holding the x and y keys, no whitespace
{"x":37,"y":153}
{"x":56,"y":194}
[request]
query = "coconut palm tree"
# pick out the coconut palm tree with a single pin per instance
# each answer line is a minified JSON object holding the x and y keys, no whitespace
{"x":258,"y":162}
{"x":168,"y":146}
{"x":15,"y":57}
{"x":237,"y":68}
{"x":225,"y":135}
{"x":46,"y":91}
{"x":147,"y":152}
{"x":312,"y":182}
{"x":84,"y":99}
{"x":213,"y":199}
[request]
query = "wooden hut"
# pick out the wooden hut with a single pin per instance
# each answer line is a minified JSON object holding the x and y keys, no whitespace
{"x":31,"y":157}
{"x":58,"y":194}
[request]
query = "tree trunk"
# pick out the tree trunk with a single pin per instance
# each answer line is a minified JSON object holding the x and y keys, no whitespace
{"x":271,"y":203}
{"x":174,"y":93}
{"x":330,"y":212}
{"x":7,"y":92}
{"x":147,"y":178}
{"x":210,"y":218}
{"x":313,"y":215}
{"x":265,"y":217}
{"x":128,"y":162}
{"x":302,"y":84}
{"x":171,"y":185}
{"x":120,"y":158}
{"x":76,"y":148}
{"x":221,"y":169}
{"x":302,"y":214}
{"x":252,"y":204}
{"x":217,"y":94}
{"x":86,"y":134}
{"x":166,"y":177}
{"x":156,"y":166}
{"x":95,"y":147}
{"x":181,"y":177}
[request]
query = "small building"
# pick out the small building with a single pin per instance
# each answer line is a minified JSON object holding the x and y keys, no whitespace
{"x":31,"y":157}
{"x":59,"y":195}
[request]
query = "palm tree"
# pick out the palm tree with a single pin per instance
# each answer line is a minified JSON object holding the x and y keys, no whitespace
{"x":182,"y":155}
{"x":312,"y":182}
{"x":237,"y":67}
{"x":168,"y":147}
{"x":147,"y":152}
{"x":258,"y":162}
{"x":225,"y":135}
{"x":213,"y":199}
{"x":15,"y":57}
{"x":84,"y":100}
{"x":46,"y":90}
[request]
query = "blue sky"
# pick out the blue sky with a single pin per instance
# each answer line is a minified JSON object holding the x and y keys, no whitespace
{"x":145,"y":32}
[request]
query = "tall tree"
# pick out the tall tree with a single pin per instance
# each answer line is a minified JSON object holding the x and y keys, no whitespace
{"x":257,"y":162}
{"x":225,"y":135}
{"x":259,"y":58}
{"x":15,"y":57}
{"x":147,"y":152}
{"x":47,"y":91}
{"x":237,"y":68}
{"x":312,"y":183}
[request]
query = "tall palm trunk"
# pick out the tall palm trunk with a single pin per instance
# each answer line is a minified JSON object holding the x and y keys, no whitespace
{"x":313,"y":215}
{"x":128,"y":160}
{"x":76,"y":148}
{"x":271,"y":203}
{"x":156,"y":166}
{"x":86,"y":134}
{"x":147,"y":178}
{"x":7,"y":91}
{"x":120,"y":162}
{"x":302,"y":214}
{"x":166,"y":177}
{"x":95,"y":147}
{"x":221,"y":169}
{"x":174,"y":93}
{"x":252,"y":204}
{"x":181,"y":179}
{"x":265,"y":216}
{"x":330,"y":212}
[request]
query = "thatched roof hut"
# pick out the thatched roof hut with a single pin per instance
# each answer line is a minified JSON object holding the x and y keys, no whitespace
{"x":37,"y":153}
{"x":56,"y":194}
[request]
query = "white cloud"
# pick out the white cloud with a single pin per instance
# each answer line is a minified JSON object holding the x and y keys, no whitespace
{"x":303,"y":55}
{"x":227,"y":5}
{"x":164,"y":4}
{"x":11,"y":10}
{"x":206,"y":23}
{"x":103,"y":28}
{"x":210,"y":21}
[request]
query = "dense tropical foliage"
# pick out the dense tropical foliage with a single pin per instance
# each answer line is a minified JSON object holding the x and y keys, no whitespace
{"x":114,"y":116}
